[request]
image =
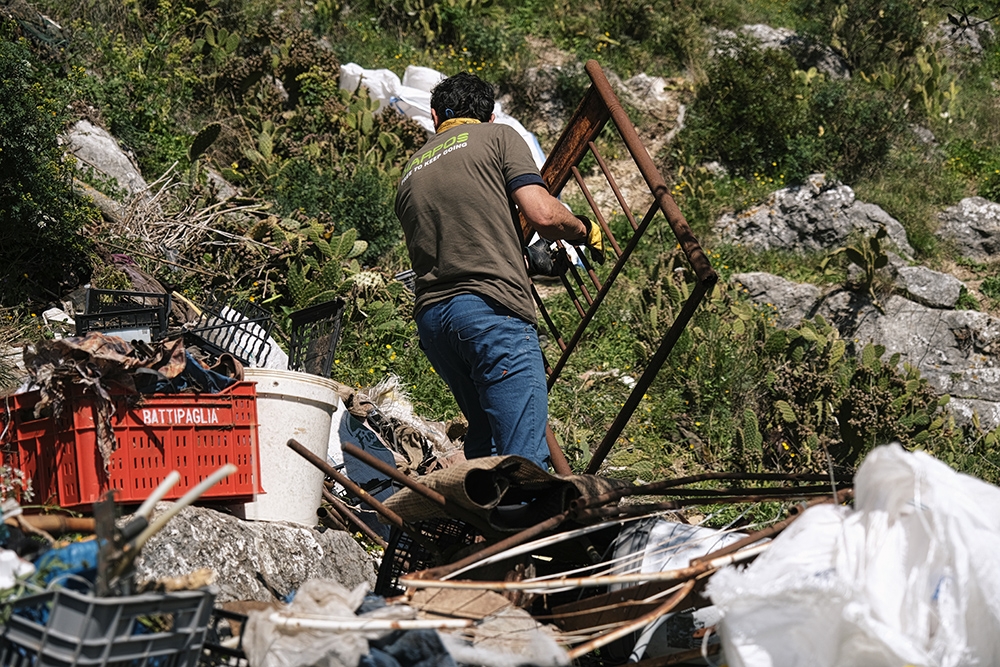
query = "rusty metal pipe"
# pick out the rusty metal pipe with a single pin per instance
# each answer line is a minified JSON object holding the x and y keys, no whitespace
{"x":656,"y":488}
{"x":657,"y":186}
{"x":556,"y":454}
{"x":608,"y":282}
{"x":345,"y":482}
{"x":617,"y":511}
{"x":548,"y":318}
{"x":614,"y":186}
{"x":634,"y":626}
{"x":514,"y":540}
{"x":573,"y":298}
{"x":841,"y":497}
{"x":392,"y":472}
{"x":348,"y":515}
{"x":597,"y":212}
{"x":646,"y":379}
{"x":56,"y":523}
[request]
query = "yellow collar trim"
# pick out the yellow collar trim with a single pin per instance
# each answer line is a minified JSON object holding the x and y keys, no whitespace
{"x":455,"y":122}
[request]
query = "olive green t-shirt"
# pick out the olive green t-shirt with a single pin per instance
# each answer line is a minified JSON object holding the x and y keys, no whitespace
{"x":453,"y":205}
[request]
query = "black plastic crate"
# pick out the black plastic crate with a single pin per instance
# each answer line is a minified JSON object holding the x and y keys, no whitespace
{"x":315,"y":334}
{"x":220,"y":650}
{"x":116,"y":310}
{"x":235,"y":326}
{"x":64,"y":628}
{"x":404,"y":555}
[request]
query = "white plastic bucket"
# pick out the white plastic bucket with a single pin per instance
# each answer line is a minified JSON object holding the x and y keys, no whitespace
{"x":290,"y":405}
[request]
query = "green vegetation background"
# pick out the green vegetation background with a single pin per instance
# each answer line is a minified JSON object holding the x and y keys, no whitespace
{"x":193,"y":87}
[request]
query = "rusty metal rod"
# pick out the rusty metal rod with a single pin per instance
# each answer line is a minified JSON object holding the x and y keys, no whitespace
{"x":589,"y":268}
{"x":708,"y":495}
{"x":597,"y":212}
{"x":583,"y":287}
{"x":574,"y":299}
{"x":648,"y":375}
{"x":392,"y":472}
{"x":655,"y":488}
{"x":331,"y":518}
{"x":348,"y":514}
{"x":634,"y":626}
{"x":602,"y":513}
{"x":842,"y":497}
{"x":608,"y":282}
{"x":657,"y":186}
{"x":514,"y":540}
{"x":346,"y":482}
{"x":548,"y":318}
{"x":614,"y":185}
{"x":556,"y":455}
{"x":584,"y":126}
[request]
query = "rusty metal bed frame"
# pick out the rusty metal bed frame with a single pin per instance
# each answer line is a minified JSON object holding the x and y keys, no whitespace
{"x":599,"y":106}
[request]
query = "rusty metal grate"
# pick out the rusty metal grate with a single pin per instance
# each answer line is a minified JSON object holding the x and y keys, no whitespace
{"x":585,"y":288}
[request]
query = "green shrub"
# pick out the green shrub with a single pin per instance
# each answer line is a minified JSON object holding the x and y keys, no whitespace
{"x":760,"y":116}
{"x":42,"y":251}
{"x":751,"y":114}
{"x":868,"y":33}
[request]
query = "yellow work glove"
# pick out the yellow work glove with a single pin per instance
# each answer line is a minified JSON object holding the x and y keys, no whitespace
{"x":592,"y":239}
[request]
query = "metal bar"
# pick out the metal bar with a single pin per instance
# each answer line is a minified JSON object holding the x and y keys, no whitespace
{"x":348,"y":514}
{"x":345,"y":482}
{"x":556,"y":455}
{"x":597,"y":213}
{"x":634,"y":626}
{"x":648,"y":375}
{"x":609,"y":281}
{"x":548,"y":318}
{"x":841,"y":497}
{"x":514,"y":540}
{"x":614,"y":185}
{"x":657,"y":186}
{"x":573,"y":298}
{"x":393,"y":473}
{"x":656,"y":488}
{"x":681,"y":658}
{"x":586,"y":124}
{"x":582,"y":286}
{"x":602,"y":513}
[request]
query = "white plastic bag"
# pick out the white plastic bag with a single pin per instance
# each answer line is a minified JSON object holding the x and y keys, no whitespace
{"x":911,"y":576}
{"x":412,"y":97}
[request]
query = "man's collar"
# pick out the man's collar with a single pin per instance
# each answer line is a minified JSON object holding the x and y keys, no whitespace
{"x":454,"y":122}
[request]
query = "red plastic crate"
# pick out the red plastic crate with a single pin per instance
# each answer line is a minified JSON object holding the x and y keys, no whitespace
{"x":194,"y":434}
{"x":27,"y":444}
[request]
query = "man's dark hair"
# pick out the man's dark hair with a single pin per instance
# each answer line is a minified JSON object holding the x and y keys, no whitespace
{"x":463,"y":96}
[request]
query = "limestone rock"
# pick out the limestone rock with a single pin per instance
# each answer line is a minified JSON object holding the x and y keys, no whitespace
{"x":806,"y":52}
{"x":814,"y":217}
{"x":956,"y":350}
{"x":962,"y":40}
{"x":931,"y":288}
{"x":988,"y":412}
{"x":973,"y":225}
{"x":252,"y":558}
{"x":792,"y":301}
{"x":95,"y":148}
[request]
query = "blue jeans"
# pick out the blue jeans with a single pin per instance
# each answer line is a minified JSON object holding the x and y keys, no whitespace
{"x":490,"y":359}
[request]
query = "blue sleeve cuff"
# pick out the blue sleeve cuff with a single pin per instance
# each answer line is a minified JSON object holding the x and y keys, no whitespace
{"x":525,"y":179}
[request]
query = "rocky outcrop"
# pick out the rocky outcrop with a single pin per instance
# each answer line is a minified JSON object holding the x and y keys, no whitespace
{"x":253,"y":560}
{"x":793,"y":302}
{"x":96,"y":149}
{"x":930,"y":288}
{"x":973,"y":225}
{"x":962,"y":40}
{"x":806,"y":52}
{"x":817,"y":216}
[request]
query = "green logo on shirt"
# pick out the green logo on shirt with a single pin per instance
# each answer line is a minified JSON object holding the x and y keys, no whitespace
{"x":430,"y":153}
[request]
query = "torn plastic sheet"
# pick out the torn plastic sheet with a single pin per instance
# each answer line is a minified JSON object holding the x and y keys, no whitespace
{"x":910,"y":576}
